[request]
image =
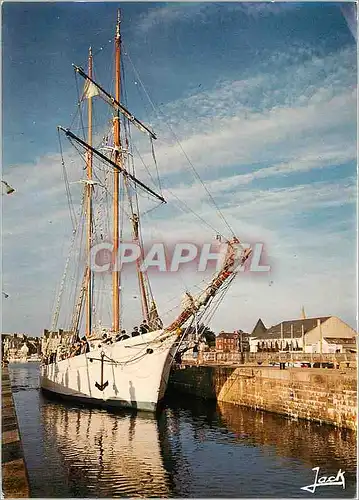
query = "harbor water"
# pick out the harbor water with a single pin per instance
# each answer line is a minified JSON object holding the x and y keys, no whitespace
{"x":191,"y":449}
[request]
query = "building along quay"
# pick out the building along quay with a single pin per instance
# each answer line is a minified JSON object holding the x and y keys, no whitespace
{"x":317,"y":394}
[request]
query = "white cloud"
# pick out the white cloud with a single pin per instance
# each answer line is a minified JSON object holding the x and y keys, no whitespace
{"x":173,"y":13}
{"x":293,"y":118}
{"x":237,"y":140}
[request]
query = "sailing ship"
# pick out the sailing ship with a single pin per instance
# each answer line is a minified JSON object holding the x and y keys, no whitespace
{"x":87,"y":361}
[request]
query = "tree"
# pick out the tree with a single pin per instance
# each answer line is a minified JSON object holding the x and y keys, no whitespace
{"x":204,"y":333}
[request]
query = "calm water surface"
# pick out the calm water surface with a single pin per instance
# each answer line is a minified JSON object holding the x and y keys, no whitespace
{"x":191,"y":449}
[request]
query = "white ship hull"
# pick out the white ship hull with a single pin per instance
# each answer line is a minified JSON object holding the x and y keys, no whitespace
{"x":137,"y":378}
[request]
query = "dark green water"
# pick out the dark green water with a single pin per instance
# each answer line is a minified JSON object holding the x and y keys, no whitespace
{"x":192,"y":449}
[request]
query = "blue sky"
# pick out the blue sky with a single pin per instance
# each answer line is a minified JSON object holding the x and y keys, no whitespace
{"x":263,"y":99}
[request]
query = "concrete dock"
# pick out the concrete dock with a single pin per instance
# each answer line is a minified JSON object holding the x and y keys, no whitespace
{"x":15,"y":483}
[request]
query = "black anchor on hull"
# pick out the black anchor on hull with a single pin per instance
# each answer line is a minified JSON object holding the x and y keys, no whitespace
{"x":102,"y":386}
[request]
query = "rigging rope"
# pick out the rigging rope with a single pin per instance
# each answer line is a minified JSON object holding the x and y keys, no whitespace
{"x":159,"y":112}
{"x":79,"y":103}
{"x":155,"y":162}
{"x":194,"y":213}
{"x":74,"y":289}
{"x":62,"y":284}
{"x":97,"y":219}
{"x":218,"y":300}
{"x":67,"y":187}
{"x":147,"y":297}
{"x":189,"y":209}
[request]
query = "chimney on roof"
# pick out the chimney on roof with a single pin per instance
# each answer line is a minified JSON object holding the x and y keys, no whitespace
{"x":303,"y":339}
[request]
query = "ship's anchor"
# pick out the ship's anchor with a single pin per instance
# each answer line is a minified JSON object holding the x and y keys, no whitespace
{"x":102,"y":385}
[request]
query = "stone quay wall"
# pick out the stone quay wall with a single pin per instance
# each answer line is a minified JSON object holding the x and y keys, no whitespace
{"x":322,"y":395}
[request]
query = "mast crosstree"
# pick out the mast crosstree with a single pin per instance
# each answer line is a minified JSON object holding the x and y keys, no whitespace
{"x":116,"y":103}
{"x":114,"y":165}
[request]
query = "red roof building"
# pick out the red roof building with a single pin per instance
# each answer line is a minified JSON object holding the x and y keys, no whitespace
{"x":227,"y":342}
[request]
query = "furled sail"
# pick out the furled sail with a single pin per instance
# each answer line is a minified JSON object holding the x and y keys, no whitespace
{"x":154,"y":321}
{"x":90,"y":90}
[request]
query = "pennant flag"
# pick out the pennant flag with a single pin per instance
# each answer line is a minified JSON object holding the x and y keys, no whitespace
{"x":90,"y":90}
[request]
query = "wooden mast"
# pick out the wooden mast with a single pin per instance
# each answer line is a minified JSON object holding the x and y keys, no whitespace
{"x":89,"y":208}
{"x":116,"y":182}
{"x":118,"y":165}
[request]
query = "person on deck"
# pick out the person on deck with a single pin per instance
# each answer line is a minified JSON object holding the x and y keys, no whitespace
{"x":195,"y":353}
{"x":76,"y":349}
{"x":135,"y":331}
{"x":85,"y":347}
{"x":178,"y":358}
{"x":106,"y":339}
{"x":144,"y":328}
{"x":159,"y":324}
{"x":122,"y":336}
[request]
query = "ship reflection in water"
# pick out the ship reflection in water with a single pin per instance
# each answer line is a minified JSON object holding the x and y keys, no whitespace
{"x":191,"y":449}
{"x":109,"y":454}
